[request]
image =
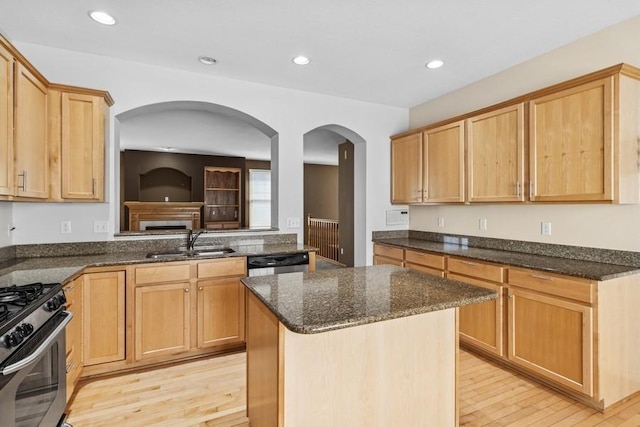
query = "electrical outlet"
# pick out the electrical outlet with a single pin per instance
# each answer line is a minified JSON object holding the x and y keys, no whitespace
{"x":100,"y":226}
{"x":440,"y":221}
{"x":293,"y":222}
{"x":65,"y":227}
{"x":545,"y":228}
{"x":482,"y":223}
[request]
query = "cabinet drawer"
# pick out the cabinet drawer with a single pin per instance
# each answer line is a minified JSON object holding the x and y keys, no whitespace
{"x":424,"y":259}
{"x":562,"y":286}
{"x":494,"y":273}
{"x":389,"y":252}
{"x":162,"y":273}
{"x":380,"y":260}
{"x":222,"y":267}
{"x":423,"y":269}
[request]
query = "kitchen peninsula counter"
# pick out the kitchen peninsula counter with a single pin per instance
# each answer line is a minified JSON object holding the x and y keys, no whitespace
{"x":366,"y":346}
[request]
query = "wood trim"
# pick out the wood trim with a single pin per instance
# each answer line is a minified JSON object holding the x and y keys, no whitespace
{"x":163,"y":211}
{"x":7,"y":121}
{"x":84,"y":91}
{"x":625,"y":69}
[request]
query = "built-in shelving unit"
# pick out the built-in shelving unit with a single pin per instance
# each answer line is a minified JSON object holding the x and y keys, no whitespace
{"x":222,"y":188}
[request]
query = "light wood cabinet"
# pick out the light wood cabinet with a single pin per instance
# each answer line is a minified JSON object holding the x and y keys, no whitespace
{"x":73,"y":332}
{"x":6,"y":122}
{"x":183,"y":307}
{"x":222,"y":194}
{"x":425,"y":262}
{"x":51,"y":136}
{"x":162,"y":319}
{"x":495,"y":155}
{"x":571,"y":143}
{"x":220,"y":314}
{"x":30,"y":137}
{"x":481,"y":325}
{"x":103,"y":317}
{"x":552,"y":337}
{"x":443,"y":160}
{"x":383,"y":254}
{"x":406,"y":169}
{"x":76,"y":137}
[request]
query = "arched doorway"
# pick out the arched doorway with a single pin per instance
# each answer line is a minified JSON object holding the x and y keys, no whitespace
{"x":348,"y":151}
{"x":194,"y":127}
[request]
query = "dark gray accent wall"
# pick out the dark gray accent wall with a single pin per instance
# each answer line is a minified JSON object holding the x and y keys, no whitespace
{"x":135,"y":163}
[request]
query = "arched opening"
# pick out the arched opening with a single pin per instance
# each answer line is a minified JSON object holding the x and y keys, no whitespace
{"x":187,"y":136}
{"x":335,"y":160}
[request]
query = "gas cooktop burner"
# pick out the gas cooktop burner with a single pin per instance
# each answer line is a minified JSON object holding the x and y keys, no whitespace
{"x":21,"y":295}
{"x":4,"y":312}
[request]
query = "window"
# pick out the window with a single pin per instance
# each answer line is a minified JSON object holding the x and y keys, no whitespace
{"x":259,"y":198}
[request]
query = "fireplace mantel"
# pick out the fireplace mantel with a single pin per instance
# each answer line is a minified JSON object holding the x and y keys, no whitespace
{"x":163,"y":212}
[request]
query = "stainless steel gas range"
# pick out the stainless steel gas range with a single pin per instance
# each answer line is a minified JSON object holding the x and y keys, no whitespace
{"x":32,"y":355}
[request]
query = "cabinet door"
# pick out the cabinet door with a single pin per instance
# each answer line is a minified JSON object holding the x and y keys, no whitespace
{"x":103,"y":315}
{"x":482,"y":324}
{"x":221,"y":308}
{"x":495,"y":151}
{"x":571,"y":136}
{"x":82,"y":145}
{"x":162,"y":320}
{"x":30,"y":137}
{"x":444,"y":163}
{"x":6,"y":122}
{"x":73,"y":332}
{"x":406,"y":169}
{"x":552,"y":337}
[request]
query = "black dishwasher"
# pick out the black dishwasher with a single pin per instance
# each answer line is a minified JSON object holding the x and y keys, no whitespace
{"x":262,"y":265}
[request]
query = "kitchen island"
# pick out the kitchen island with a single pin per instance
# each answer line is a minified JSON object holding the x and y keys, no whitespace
{"x":366,"y":346}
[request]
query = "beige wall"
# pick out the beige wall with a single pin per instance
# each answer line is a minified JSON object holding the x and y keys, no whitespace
{"x":615,"y":227}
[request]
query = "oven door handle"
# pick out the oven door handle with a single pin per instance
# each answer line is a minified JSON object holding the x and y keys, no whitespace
{"x":41,"y":348}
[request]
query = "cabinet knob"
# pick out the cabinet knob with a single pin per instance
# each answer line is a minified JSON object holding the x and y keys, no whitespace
{"x":186,"y":289}
{"x":199,"y":288}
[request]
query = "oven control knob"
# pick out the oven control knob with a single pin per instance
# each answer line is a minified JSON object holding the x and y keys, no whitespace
{"x":24,"y":330}
{"x":52,"y":304}
{"x":12,"y":339}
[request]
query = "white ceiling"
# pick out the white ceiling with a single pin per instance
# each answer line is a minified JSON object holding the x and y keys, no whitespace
{"x":370,"y":50}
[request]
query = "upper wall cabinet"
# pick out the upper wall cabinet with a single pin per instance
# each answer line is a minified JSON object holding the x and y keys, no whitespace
{"x":428,"y":167}
{"x":6,"y":122}
{"x":580,"y":149}
{"x":51,"y":136}
{"x":495,"y":155}
{"x":406,"y":169}
{"x":444,"y":163}
{"x":30,"y":135}
{"x":76,"y":133}
{"x":583,"y":145}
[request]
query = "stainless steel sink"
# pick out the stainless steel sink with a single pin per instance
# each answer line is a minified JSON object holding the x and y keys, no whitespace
{"x":190,"y":254}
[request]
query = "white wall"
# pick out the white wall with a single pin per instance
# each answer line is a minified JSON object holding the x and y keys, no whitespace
{"x":291,"y":113}
{"x":605,"y":226}
{"x":6,"y":222}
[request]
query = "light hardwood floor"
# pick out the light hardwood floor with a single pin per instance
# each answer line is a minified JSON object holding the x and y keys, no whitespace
{"x":212,"y":393}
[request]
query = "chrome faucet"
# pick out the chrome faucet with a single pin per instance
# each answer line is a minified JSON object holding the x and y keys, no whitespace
{"x":191,"y":239}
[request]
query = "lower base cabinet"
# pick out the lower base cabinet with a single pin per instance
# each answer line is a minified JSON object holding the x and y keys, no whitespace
{"x":183,"y":307}
{"x":103,"y":317}
{"x":552,"y":337}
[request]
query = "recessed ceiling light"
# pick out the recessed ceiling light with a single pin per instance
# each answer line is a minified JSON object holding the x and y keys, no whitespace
{"x":301,"y":60}
{"x":436,"y":63}
{"x":167,"y":149}
{"x":207,"y":60}
{"x":102,"y":17}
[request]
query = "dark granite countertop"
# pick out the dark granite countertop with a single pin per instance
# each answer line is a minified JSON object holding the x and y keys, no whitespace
{"x":570,"y":267}
{"x":21,"y":271}
{"x":326,"y":300}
